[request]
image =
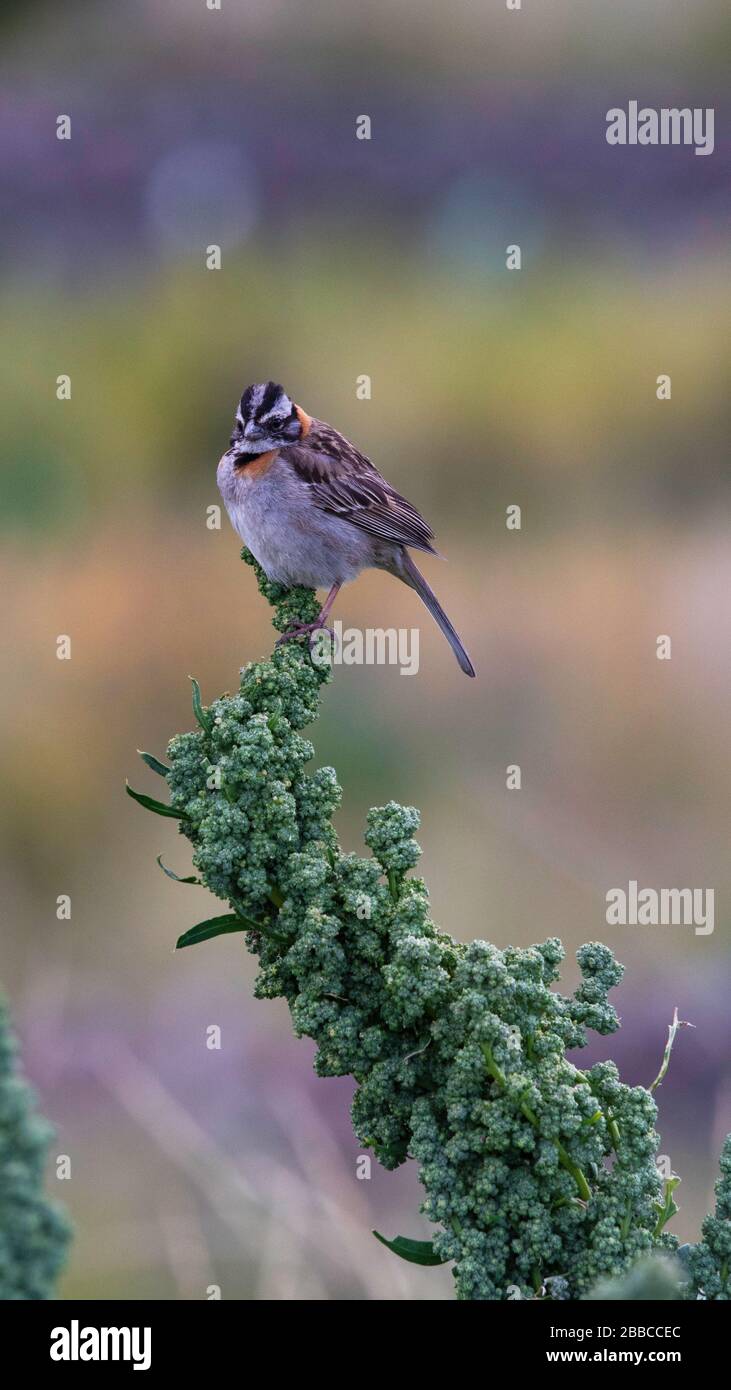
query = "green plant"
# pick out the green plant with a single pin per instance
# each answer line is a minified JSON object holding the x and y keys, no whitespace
{"x":539,"y":1176}
{"x":709,"y":1262}
{"x":654,"y":1278}
{"x":34,"y":1233}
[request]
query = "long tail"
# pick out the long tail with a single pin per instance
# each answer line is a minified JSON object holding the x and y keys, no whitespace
{"x":411,"y":575}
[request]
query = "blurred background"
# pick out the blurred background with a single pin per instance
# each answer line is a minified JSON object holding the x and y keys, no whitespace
{"x":490,"y":388}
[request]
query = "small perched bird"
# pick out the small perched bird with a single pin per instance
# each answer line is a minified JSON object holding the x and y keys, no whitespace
{"x":313,"y":510}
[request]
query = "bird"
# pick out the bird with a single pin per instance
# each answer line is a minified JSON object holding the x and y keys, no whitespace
{"x":313,"y":510}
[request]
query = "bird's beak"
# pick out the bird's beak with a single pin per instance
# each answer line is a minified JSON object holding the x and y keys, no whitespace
{"x":253,"y":433}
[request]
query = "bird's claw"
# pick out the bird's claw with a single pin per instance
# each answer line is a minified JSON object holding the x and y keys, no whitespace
{"x":303,"y":629}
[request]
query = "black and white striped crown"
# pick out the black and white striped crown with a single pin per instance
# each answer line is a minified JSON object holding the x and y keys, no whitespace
{"x":265,"y":404}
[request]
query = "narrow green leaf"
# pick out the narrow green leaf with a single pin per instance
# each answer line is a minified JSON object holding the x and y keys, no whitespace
{"x":417,"y":1252}
{"x":215,"y":926}
{"x":202,"y":717}
{"x":154,"y":763}
{"x":249,"y":923}
{"x":176,"y":877}
{"x":150,"y":804}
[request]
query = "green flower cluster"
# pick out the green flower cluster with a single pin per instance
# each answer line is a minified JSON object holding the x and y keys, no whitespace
{"x":537,"y":1175}
{"x":709,"y":1262}
{"x":654,"y":1278}
{"x":34,"y":1233}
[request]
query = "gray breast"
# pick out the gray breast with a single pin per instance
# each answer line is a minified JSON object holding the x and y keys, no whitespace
{"x":294,"y":541}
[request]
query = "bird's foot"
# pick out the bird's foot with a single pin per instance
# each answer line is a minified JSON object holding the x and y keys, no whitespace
{"x":305,"y":629}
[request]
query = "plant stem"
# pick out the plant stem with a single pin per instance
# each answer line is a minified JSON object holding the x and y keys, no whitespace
{"x":672,"y":1033}
{"x":573,"y":1168}
{"x":566,"y":1162}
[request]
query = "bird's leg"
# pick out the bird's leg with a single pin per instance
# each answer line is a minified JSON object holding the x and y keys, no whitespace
{"x":300,"y":629}
{"x":327,"y":605}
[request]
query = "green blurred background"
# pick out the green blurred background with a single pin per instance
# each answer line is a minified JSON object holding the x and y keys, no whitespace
{"x":342,"y":257}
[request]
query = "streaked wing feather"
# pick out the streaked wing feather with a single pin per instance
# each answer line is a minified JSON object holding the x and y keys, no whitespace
{"x":345,"y":483}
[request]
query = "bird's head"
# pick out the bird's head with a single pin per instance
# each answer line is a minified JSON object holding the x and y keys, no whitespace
{"x":267,"y":419}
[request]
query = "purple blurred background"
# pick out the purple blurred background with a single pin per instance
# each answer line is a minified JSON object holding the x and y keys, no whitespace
{"x":237,"y":1167}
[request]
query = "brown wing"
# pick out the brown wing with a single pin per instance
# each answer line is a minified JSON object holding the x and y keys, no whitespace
{"x":345,"y":483}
